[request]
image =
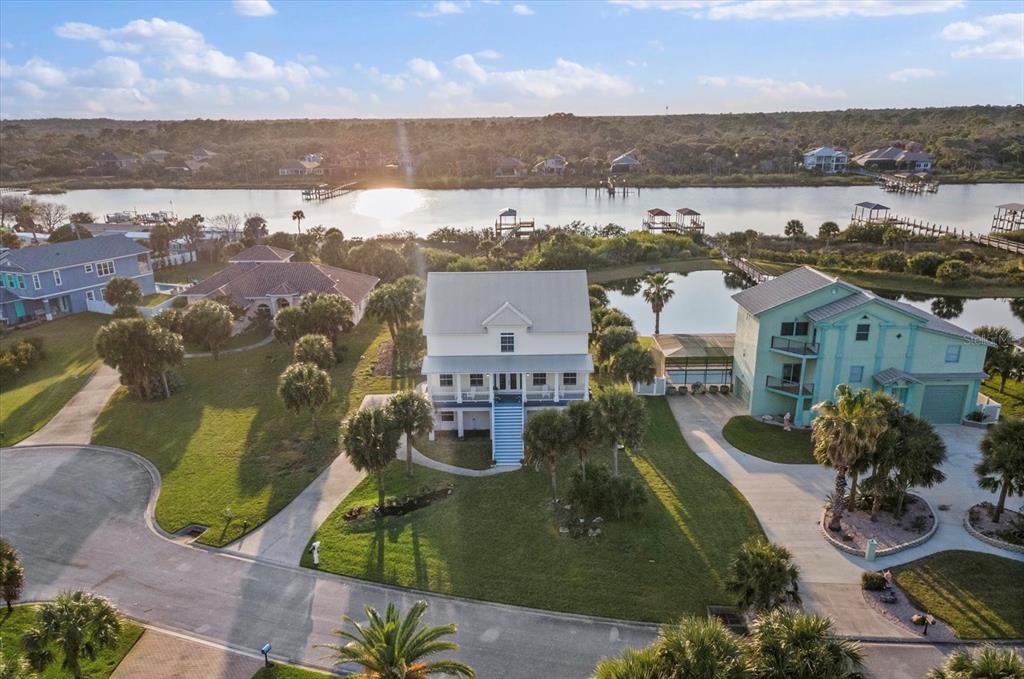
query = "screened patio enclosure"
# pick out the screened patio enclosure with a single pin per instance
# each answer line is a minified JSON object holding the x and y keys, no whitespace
{"x":688,"y":359}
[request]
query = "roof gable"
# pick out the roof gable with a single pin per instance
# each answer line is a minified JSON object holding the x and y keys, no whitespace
{"x":507,"y":315}
{"x":263,"y":253}
{"x":782,"y":289}
{"x":71,"y":253}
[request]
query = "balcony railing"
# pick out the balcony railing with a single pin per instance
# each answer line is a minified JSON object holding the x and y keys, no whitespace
{"x":574,"y":394}
{"x":789,"y":386}
{"x":791,"y":346}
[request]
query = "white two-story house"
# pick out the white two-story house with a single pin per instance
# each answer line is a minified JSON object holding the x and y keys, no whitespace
{"x":503,"y":343}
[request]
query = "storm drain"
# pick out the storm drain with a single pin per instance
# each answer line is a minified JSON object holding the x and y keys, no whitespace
{"x":192,"y":531}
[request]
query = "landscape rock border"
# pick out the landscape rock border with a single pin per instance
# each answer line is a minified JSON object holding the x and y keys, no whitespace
{"x":889,"y":551}
{"x":995,"y":542}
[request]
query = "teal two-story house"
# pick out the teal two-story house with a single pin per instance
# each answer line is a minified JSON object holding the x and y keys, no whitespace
{"x":803,"y":333}
{"x":44,"y":281}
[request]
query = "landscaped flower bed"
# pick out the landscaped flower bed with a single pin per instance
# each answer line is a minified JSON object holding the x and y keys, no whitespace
{"x":1008,"y":533}
{"x":397,"y":506}
{"x":892,"y":533}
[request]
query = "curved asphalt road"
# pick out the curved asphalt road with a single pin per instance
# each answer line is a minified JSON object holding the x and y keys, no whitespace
{"x":80,"y":516}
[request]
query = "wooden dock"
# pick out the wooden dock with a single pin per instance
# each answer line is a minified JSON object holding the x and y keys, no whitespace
{"x":326,"y":191}
{"x":907,"y":183}
{"x":609,"y":187}
{"x":741,"y":264}
{"x":938,"y":230}
{"x":686,"y":222}
{"x":508,"y":226}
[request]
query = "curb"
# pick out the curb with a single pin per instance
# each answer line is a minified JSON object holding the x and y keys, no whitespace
{"x":995,"y":542}
{"x":889,"y":551}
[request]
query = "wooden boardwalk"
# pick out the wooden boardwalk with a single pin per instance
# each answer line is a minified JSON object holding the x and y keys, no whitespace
{"x":741,"y":264}
{"x":325,"y":191}
{"x":929,"y":229}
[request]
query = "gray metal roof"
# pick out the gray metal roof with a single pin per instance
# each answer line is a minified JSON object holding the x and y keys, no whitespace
{"x":893,"y":375}
{"x":872,"y":206}
{"x":514,"y":363}
{"x":1014,"y":207}
{"x":947,"y":377}
{"x":70,"y":253}
{"x":781,"y":289}
{"x":459,"y":303}
{"x":837,"y":307}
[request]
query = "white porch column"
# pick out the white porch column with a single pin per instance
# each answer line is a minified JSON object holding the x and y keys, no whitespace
{"x":586,"y":385}
{"x":558,"y":378}
{"x":458,"y":419}
{"x":522,"y":385}
{"x":47,"y":310}
{"x":458,"y":395}
{"x":490,"y":386}
{"x":433,"y":430}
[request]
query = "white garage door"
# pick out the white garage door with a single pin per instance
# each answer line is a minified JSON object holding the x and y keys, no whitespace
{"x":943,"y":403}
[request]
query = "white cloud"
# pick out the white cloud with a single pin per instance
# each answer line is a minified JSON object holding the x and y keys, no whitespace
{"x":254,"y":8}
{"x":1003,"y":36}
{"x":443,"y":8}
{"x":793,"y":9}
{"x":116,"y":72}
{"x":451,"y":90}
{"x":30,"y":90}
{"x":36,"y":71}
{"x":770,"y":87}
{"x":488,"y":54}
{"x":424,"y":68}
{"x":522,"y":10}
{"x":347,"y":94}
{"x":564,"y":78}
{"x":907,"y":74}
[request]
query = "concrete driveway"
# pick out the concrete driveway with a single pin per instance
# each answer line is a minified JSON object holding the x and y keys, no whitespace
{"x":81,"y":518}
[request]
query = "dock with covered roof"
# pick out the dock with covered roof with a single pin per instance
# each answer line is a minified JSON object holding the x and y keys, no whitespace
{"x":686,"y":221}
{"x":874,"y":213}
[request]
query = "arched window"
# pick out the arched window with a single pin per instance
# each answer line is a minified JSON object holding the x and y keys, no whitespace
{"x":263,"y":309}
{"x":282,"y":303}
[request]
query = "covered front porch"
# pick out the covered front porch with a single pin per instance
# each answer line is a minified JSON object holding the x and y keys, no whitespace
{"x":454,"y":381}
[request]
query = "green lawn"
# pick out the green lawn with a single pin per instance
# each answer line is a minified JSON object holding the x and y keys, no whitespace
{"x":226,"y":441}
{"x":156,"y":299}
{"x":251,"y":335}
{"x":768,"y":441}
{"x":495,"y":539}
{"x":979,"y":595}
{"x":279,"y":671}
{"x":13,"y":625}
{"x":32,"y":398}
{"x":186,"y":273}
{"x":1012,"y":398}
{"x":472,"y":452}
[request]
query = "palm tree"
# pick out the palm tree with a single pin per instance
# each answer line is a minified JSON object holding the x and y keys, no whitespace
{"x":657,"y":292}
{"x":585,"y":429}
{"x":12,"y":574}
{"x":391,"y":647}
{"x":701,"y":648}
{"x":762,"y":576}
{"x":1002,"y":462}
{"x":370,"y":442}
{"x":79,"y":624}
{"x":545,"y":439}
{"x":843,"y":432}
{"x":632,"y":663}
{"x":787,"y":644}
{"x":412,"y":413}
{"x":298,"y":216}
{"x":987,"y":662}
{"x":634,"y":364}
{"x":624,"y":416}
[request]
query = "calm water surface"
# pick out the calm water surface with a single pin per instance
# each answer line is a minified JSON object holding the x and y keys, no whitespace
{"x":376,"y":211}
{"x":703,"y":303}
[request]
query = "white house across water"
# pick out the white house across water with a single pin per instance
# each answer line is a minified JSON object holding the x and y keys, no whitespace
{"x":503,"y":343}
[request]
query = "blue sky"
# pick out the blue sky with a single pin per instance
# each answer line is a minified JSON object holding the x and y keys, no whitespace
{"x":279,"y":59}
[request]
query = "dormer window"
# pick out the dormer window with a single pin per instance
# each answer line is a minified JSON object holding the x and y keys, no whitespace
{"x":508,"y":342}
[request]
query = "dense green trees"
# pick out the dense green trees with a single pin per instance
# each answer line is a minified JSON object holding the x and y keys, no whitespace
{"x":208,"y":323}
{"x":985,"y":662}
{"x":141,"y":351}
{"x":122,"y":291}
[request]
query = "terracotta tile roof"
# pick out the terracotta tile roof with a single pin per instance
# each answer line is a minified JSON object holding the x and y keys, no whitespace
{"x":248,"y":280}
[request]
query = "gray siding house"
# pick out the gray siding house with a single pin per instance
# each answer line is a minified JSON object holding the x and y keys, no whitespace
{"x":46,"y":281}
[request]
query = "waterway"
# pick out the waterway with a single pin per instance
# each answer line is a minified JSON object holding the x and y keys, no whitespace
{"x":378,"y":211}
{"x":703,"y":303}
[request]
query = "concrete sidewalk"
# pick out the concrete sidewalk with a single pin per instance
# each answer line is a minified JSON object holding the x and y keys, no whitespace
{"x":163,"y":655}
{"x":73,"y":423}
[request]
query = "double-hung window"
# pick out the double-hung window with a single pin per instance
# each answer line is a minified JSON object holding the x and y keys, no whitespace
{"x":953,"y":353}
{"x":105,"y":268}
{"x":540,"y":379}
{"x":508,"y":342}
{"x":90,"y":295}
{"x":569,"y":379}
{"x":36,"y":283}
{"x":57,"y":280}
{"x":88,"y":268}
{"x":856,"y":374}
{"x":446,"y":380}
{"x":787,"y":329}
{"x":863,"y":332}
{"x":476,"y":380}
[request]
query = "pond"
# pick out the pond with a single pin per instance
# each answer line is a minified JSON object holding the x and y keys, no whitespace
{"x":377,"y":211}
{"x":703,"y":303}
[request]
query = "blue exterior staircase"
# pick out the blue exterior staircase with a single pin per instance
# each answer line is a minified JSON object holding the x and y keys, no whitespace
{"x":507,"y":430}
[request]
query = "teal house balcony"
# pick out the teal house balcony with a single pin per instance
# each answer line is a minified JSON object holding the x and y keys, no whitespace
{"x":796,"y":348}
{"x":792,"y":388}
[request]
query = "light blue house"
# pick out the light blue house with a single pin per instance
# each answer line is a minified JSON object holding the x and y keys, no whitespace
{"x":46,"y":281}
{"x":802,"y":334}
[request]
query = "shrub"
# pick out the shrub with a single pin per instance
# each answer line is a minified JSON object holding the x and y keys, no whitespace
{"x":19,"y":357}
{"x":627,"y":496}
{"x":925,"y":263}
{"x":965,"y":255}
{"x":170,"y":319}
{"x":872,"y":581}
{"x":953,"y":271}
{"x":891,"y":260}
{"x":591,"y":494}
{"x":828,"y":260}
{"x":125,"y":311}
{"x":179,"y":302}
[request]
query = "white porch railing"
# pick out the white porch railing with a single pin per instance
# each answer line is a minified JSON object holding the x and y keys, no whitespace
{"x":988,"y":407}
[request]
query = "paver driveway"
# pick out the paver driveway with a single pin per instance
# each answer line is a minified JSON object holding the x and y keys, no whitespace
{"x":79,"y":517}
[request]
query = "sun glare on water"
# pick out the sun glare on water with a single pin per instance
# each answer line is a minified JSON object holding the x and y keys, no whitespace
{"x":389,"y":206}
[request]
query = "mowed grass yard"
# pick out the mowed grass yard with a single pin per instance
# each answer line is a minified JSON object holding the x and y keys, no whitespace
{"x":15,"y":624}
{"x":186,"y":273}
{"x":495,"y":538}
{"x":226,"y":441}
{"x":31,"y":399}
{"x":472,"y":452}
{"x":1011,"y":398}
{"x":981,"y":596}
{"x":768,"y":441}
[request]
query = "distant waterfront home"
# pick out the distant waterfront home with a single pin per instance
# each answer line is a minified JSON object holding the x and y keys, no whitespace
{"x":300,"y":168}
{"x":511,"y":167}
{"x":627,"y":162}
{"x":501,"y":344}
{"x":52,"y":280}
{"x":803,"y":333}
{"x":895,"y":158}
{"x":826,"y":160}
{"x":156,"y":156}
{"x":203,"y":155}
{"x":263,"y":278}
{"x":111,"y":161}
{"x":551,"y":165}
